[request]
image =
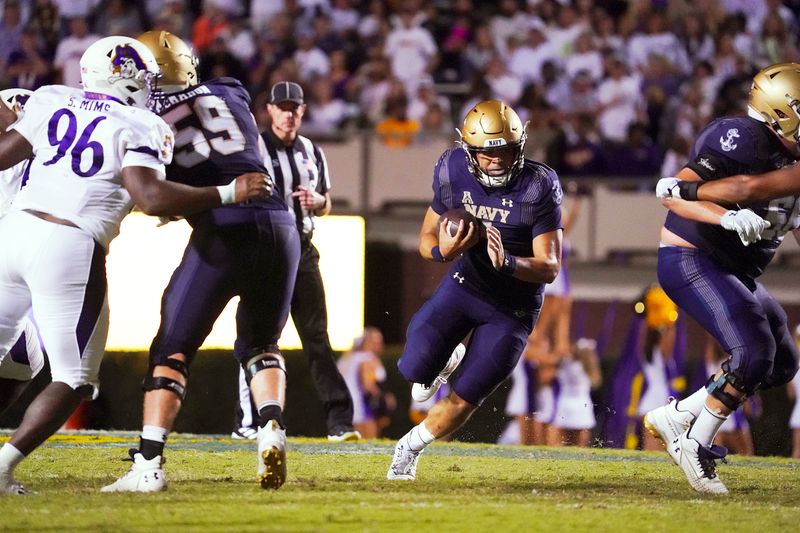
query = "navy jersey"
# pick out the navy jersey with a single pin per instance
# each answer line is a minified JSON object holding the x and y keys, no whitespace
{"x":526,"y":208}
{"x":216,"y":138}
{"x":726,"y":147}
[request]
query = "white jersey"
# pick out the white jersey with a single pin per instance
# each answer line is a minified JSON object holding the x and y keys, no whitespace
{"x":81,"y":144}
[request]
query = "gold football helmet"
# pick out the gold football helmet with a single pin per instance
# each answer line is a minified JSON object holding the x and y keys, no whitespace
{"x":175,"y":58}
{"x":775,"y":98}
{"x":492,"y":127}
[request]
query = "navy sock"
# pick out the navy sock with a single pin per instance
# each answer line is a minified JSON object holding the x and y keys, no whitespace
{"x":270,"y":412}
{"x":150,"y":448}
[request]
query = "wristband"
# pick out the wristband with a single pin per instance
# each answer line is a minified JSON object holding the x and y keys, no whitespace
{"x":437,"y":255}
{"x":688,"y":189}
{"x":509,"y":265}
{"x":227,"y":193}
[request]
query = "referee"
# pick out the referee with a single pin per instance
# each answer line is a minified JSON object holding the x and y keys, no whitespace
{"x":300,"y":172}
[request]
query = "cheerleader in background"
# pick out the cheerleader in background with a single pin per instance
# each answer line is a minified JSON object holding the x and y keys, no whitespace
{"x":521,"y":404}
{"x":551,"y":337}
{"x":648,"y":371}
{"x":658,"y":346}
{"x":577,"y":375}
{"x":365,"y":377}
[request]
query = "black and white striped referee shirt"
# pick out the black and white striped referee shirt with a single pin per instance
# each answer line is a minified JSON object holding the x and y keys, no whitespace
{"x":301,"y":163}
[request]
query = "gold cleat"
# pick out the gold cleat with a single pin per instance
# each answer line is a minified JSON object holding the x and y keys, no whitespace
{"x":274,"y":474}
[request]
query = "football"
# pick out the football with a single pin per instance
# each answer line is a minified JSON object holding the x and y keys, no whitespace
{"x":454,"y":216}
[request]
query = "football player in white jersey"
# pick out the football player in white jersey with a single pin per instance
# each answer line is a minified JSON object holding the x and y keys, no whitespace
{"x":96,"y":152}
{"x":25,"y":359}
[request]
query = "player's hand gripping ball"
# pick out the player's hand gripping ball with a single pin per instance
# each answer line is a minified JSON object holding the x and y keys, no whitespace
{"x":456,"y":215}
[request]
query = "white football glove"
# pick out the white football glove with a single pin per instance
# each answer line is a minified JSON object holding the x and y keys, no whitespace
{"x":667,"y":188}
{"x":746,"y":223}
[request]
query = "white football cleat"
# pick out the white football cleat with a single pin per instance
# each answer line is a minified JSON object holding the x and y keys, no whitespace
{"x":667,"y":422}
{"x":699,"y":463}
{"x":421,"y":393}
{"x":271,"y":456}
{"x":404,"y":463}
{"x":11,"y":487}
{"x":344,"y":434}
{"x":144,"y":476}
{"x":244,"y":433}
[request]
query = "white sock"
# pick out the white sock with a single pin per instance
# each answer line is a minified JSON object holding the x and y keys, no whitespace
{"x":694,"y":403}
{"x":155,"y":433}
{"x":706,"y":426}
{"x":418,"y":438}
{"x":10,"y":457}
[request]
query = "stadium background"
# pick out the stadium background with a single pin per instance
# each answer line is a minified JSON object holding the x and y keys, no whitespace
{"x":615,"y":92}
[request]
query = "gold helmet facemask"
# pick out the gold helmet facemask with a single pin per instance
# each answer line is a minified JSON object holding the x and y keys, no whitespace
{"x":775,"y":99}
{"x":175,"y":58}
{"x":491,"y":126}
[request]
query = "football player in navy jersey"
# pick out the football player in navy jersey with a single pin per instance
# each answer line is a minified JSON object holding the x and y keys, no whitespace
{"x":494,"y":289}
{"x":251,"y":251}
{"x":710,"y":259}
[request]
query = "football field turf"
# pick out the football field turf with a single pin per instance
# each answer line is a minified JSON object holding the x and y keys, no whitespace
{"x":342,"y":487}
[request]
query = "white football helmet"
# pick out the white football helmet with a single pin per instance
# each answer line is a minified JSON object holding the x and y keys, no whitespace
{"x":120,"y":67}
{"x":15,"y":99}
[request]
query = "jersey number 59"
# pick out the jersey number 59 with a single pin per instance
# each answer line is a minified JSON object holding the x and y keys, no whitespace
{"x":217,"y":130}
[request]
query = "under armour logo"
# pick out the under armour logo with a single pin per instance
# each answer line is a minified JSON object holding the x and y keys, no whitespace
{"x":458,"y":278}
{"x":507,"y":203}
{"x":466,"y":198}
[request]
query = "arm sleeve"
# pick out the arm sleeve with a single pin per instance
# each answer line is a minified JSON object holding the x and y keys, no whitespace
{"x":440,"y":170}
{"x":547,"y":211}
{"x":149,"y":143}
{"x":710,"y":165}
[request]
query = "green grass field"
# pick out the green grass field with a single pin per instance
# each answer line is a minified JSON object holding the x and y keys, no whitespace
{"x":342,"y":487}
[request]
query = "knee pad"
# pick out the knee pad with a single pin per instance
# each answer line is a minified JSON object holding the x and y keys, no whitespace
{"x":152,"y":383}
{"x":264,"y":359}
{"x":716,"y":388}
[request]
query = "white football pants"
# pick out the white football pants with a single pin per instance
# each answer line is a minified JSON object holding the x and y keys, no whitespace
{"x":59,"y":272}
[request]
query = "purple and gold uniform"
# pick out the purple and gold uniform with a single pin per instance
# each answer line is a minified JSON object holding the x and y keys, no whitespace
{"x":500,"y":310}
{"x":250,"y":250}
{"x":716,"y":281}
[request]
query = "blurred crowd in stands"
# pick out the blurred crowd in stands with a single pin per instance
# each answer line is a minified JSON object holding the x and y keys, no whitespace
{"x":610,"y":87}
